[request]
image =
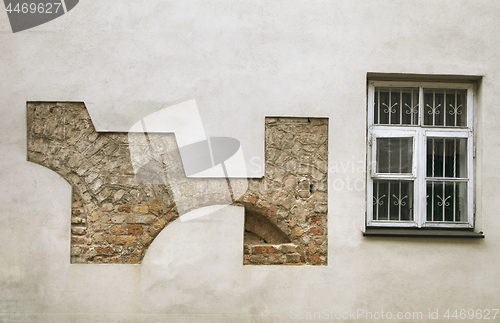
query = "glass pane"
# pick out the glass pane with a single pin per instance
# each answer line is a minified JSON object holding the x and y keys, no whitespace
{"x":396,"y":106}
{"x":447,"y":201}
{"x":447,"y":157}
{"x":392,"y":200}
{"x":445,"y":107}
{"x":394,"y":155}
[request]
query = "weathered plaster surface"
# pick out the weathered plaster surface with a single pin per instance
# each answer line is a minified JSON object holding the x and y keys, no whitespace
{"x":242,"y":61}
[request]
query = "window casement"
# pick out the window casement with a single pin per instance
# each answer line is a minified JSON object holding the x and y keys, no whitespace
{"x":420,"y":155}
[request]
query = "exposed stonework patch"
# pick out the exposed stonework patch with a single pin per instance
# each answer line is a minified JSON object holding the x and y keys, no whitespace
{"x":117,"y":211}
{"x":293,"y":194}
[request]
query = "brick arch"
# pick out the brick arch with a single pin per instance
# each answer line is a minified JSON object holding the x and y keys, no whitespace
{"x":114,"y":216}
{"x":257,"y":222}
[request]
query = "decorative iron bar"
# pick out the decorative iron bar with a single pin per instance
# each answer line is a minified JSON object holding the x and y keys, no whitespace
{"x":399,"y":195}
{"x":450,"y":102}
{"x":390,"y":108}
{"x":396,"y":106}
{"x":455,"y":109}
{"x":433,"y":111}
{"x":378,"y":200}
{"x":446,"y":179}
{"x":411,"y":109}
{"x":399,"y":200}
{"x":444,"y":108}
{"x":400,"y":106}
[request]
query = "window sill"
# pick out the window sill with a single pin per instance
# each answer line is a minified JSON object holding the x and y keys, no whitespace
{"x":429,"y":233}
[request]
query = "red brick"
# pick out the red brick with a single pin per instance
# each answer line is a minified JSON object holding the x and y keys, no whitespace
{"x":78,"y":240}
{"x":315,"y":259}
{"x":316,"y":230}
{"x":124,"y":208}
{"x":252,"y":199}
{"x":264,"y":249}
{"x":108,"y":251}
{"x":135,"y":229}
{"x":170,"y":215}
{"x":316,"y":219}
{"x":156,"y":208}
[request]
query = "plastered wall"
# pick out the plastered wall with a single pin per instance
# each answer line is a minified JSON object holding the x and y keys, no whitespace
{"x":242,"y":61}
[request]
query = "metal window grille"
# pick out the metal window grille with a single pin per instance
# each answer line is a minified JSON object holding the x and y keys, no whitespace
{"x":420,"y":154}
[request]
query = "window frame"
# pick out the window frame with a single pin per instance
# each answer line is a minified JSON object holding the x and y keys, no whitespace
{"x":419,"y":133}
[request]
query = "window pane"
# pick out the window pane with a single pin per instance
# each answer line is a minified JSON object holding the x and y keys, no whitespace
{"x":445,"y":107}
{"x":447,"y":201}
{"x":447,"y":157}
{"x":394,"y":155}
{"x":396,"y":106}
{"x":392,"y":200}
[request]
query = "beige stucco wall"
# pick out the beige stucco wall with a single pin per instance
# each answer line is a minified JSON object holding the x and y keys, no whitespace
{"x":241,"y":61}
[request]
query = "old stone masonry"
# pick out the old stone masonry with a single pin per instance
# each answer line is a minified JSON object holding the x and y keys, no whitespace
{"x":117,"y":210}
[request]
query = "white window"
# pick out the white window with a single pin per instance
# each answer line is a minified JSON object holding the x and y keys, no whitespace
{"x":420,"y":155}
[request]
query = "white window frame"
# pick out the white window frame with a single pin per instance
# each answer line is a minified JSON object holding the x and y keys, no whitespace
{"x":419,"y":133}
